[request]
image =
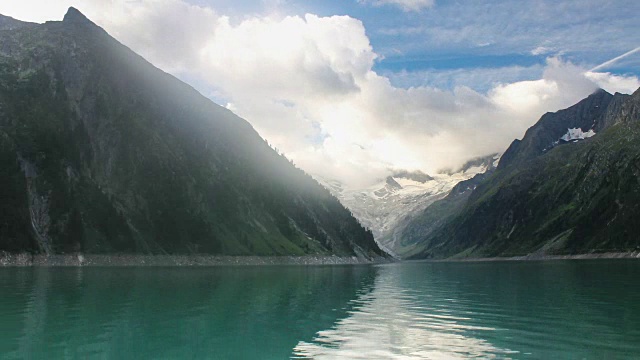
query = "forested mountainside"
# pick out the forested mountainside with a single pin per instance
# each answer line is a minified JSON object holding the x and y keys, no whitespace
{"x":101,"y":152}
{"x":571,"y":185}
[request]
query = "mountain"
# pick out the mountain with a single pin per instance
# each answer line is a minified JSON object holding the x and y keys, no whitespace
{"x":101,"y":152}
{"x":387,"y":206}
{"x":9,"y":23}
{"x":585,"y":119}
{"x":411,"y":234}
{"x":571,"y":185}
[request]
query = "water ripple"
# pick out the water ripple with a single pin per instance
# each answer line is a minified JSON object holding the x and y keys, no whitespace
{"x":415,"y":312}
{"x":567,"y":310}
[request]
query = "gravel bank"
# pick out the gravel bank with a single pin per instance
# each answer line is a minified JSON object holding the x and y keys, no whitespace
{"x":9,"y":259}
{"x":538,"y":257}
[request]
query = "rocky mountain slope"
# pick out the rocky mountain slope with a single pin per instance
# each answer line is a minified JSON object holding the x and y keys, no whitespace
{"x":101,"y":152}
{"x":571,"y":185}
{"x":389,"y":205}
{"x":592,"y":114}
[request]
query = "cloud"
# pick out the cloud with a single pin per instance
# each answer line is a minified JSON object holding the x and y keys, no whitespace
{"x":614,"y":83}
{"x":591,"y":32}
{"x":168,"y":31}
{"x":35,"y":11}
{"x":405,"y":5}
{"x":308,"y":85}
{"x":480,"y":79}
{"x":541,"y":50}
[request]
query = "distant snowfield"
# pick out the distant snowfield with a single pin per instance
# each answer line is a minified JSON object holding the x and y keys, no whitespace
{"x":383,"y":206}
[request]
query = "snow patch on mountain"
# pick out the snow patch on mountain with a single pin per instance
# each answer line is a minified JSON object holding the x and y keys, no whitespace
{"x":577,"y":134}
{"x":496,"y":160}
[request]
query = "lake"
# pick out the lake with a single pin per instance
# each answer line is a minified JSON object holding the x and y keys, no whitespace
{"x":571,"y":309}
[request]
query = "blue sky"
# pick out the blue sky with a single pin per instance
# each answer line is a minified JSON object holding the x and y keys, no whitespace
{"x":355,"y":89}
{"x":476,"y":35}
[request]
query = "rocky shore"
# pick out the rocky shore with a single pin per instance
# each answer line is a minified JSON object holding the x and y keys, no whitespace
{"x":538,"y":257}
{"x":24,"y":259}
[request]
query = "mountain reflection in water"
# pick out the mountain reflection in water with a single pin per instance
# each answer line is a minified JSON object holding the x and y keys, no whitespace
{"x":554,"y":309}
{"x":427,"y":310}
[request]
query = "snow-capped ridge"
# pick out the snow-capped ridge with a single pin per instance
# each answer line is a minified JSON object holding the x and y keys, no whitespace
{"x":383,"y":206}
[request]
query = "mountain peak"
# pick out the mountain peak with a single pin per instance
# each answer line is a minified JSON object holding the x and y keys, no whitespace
{"x":588,"y":114}
{"x":393,"y":183}
{"x":74,"y":16}
{"x":80,"y":73}
{"x":600,"y":91}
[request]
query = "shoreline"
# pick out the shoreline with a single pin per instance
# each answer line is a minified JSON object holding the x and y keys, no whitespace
{"x":539,"y":257}
{"x":128,"y":260}
{"x":81,"y":260}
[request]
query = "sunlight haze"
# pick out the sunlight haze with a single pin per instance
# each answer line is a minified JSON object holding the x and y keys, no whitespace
{"x":353,"y":90}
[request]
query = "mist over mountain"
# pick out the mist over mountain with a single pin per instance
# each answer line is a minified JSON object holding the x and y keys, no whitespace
{"x":570,"y":186}
{"x":387,"y":206}
{"x":101,"y":152}
{"x":294,"y":179}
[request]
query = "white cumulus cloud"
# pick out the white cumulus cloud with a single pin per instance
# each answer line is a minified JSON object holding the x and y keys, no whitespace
{"x":615,"y":83}
{"x":308,"y":85}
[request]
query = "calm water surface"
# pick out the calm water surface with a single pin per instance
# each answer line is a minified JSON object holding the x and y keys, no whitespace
{"x":528,"y":310}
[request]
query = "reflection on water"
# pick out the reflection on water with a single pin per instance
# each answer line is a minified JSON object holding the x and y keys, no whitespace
{"x":534,"y":310}
{"x":394,"y":322}
{"x":120,"y":313}
{"x":543,"y":310}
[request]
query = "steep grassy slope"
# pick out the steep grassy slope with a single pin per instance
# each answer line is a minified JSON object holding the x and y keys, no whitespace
{"x":578,"y":197}
{"x":413,"y":233}
{"x":102,"y":152}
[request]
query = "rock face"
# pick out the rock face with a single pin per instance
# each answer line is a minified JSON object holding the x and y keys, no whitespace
{"x":572,"y":185}
{"x":413,"y":230}
{"x":585,"y":119}
{"x":101,"y":152}
{"x":388,"y":206}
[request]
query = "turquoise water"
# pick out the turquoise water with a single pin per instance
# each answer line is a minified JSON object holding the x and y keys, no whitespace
{"x":527,"y":310}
